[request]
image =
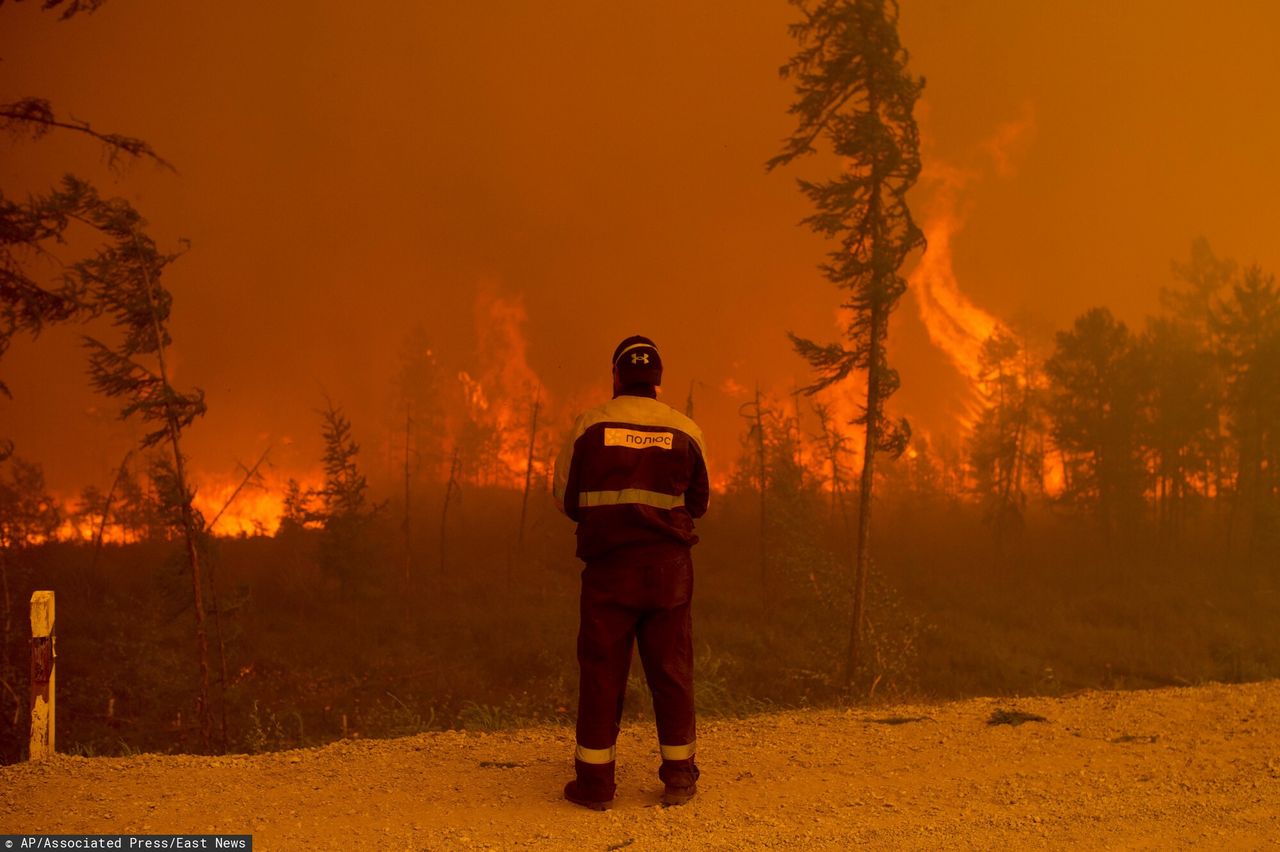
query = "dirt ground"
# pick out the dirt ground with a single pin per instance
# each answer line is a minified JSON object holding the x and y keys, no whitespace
{"x":1160,"y":769}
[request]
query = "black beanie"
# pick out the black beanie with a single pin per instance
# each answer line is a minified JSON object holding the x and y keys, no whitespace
{"x":637,"y":361}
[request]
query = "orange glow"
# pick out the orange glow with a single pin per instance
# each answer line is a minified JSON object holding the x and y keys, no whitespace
{"x":1055,"y":479}
{"x":256,"y":510}
{"x":85,"y":528}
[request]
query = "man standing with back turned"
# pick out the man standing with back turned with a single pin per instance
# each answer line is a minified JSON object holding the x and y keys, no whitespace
{"x":634,"y":477}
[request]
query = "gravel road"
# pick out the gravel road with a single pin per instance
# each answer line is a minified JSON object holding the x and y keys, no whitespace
{"x":1159,"y":769}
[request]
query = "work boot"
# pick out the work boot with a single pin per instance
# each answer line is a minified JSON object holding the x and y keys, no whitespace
{"x":594,"y":787}
{"x":681,"y":780}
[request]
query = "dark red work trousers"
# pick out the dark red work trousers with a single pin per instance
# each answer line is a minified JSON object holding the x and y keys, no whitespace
{"x":638,"y":597}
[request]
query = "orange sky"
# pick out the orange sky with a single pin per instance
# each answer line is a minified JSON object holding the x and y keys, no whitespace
{"x":347,"y":172}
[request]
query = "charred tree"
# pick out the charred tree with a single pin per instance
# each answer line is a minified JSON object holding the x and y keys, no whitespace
{"x":417,"y":388}
{"x":251,"y":477}
{"x":452,"y":487}
{"x":345,"y":514}
{"x":834,"y":446}
{"x":406,"y":524}
{"x":1093,"y":400}
{"x":754,"y":413}
{"x":797,"y":438}
{"x":1179,"y":421}
{"x":854,"y":91}
{"x":997,"y":442}
{"x":1186,"y":346}
{"x":121,"y":473}
{"x":528,"y":466}
{"x":1248,"y":329}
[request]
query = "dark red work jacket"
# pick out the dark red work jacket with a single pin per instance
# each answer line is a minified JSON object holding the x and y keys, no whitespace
{"x":633,"y":475}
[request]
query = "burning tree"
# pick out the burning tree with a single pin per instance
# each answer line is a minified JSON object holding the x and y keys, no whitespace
{"x":418,"y":407}
{"x":833,"y":447}
{"x":854,"y":90}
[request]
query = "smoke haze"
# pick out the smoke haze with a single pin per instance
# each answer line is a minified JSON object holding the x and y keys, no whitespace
{"x":572,"y":173}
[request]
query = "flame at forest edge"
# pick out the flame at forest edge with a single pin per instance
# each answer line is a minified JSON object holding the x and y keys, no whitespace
{"x":955,"y":324}
{"x":488,"y":419}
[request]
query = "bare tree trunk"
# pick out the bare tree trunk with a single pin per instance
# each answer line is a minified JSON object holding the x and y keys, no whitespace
{"x":106,"y":511}
{"x":193,"y":559}
{"x":1247,"y":504}
{"x":828,"y":444}
{"x":528,"y":469}
{"x":798,"y":455}
{"x":862,"y":555}
{"x":450,"y":487}
{"x":879,"y":319}
{"x":188,"y":517}
{"x":1019,"y":454}
{"x":5,"y":666}
{"x":222,"y":653}
{"x":1024,"y":424}
{"x":832,"y":442}
{"x":249,"y":474}
{"x":407,"y":527}
{"x":763,"y":473}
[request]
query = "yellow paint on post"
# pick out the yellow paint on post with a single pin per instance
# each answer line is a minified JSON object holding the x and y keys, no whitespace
{"x":42,"y":676}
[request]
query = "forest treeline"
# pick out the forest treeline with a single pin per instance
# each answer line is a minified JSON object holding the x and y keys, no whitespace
{"x":1143,"y":437}
{"x":1108,"y":518}
{"x":1144,"y":434}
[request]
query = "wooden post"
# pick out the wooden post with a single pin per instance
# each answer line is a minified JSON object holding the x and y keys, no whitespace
{"x":42,"y":672}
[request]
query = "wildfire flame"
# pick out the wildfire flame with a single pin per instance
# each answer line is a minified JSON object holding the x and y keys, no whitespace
{"x":256,"y":510}
{"x":502,"y":397}
{"x":498,"y":397}
{"x":954,"y":323}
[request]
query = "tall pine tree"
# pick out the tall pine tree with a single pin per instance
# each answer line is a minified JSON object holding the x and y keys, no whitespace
{"x":854,"y":92}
